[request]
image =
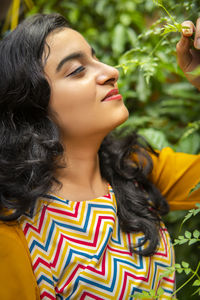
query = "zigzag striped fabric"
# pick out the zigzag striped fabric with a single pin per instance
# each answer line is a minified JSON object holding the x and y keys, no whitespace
{"x":78,"y":251}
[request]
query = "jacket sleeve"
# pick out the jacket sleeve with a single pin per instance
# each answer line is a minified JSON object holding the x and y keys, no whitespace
{"x":175,"y":174}
{"x":17,"y":280}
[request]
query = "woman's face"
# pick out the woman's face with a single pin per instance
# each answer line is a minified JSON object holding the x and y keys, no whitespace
{"x":78,"y":84}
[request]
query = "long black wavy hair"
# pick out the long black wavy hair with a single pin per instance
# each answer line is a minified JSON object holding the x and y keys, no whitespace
{"x":30,"y":148}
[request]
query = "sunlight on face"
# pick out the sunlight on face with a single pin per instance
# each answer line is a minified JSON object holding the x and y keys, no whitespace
{"x":79,"y":82}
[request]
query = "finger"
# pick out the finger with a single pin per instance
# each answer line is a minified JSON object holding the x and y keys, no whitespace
{"x":197,"y":35}
{"x":184,"y":55}
{"x":188,"y":28}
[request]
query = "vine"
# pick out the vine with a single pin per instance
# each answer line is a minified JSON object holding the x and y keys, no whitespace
{"x":184,"y":267}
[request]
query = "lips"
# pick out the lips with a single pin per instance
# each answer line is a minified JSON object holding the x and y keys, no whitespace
{"x":110,"y":95}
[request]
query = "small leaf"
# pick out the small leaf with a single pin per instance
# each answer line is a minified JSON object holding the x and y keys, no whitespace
{"x":187,"y":271}
{"x":155,"y":137}
{"x":152,"y":293}
{"x":196,"y":233}
{"x":188,"y":234}
{"x":192,"y":241}
{"x":196,"y":211}
{"x":119,"y":38}
{"x":188,"y":216}
{"x":184,"y":264}
{"x":160,"y":291}
{"x":179,"y":270}
{"x":189,"y":144}
{"x":171,"y":28}
{"x":192,"y":127}
{"x":196,"y":282}
{"x":183,"y":241}
{"x":197,"y":186}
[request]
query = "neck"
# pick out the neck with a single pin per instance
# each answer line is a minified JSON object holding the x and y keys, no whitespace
{"x":81,"y":178}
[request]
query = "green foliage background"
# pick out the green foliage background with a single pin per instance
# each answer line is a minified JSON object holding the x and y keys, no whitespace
{"x":163,"y":106}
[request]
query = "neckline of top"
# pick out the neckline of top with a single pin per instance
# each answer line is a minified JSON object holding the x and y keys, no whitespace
{"x":52,"y":195}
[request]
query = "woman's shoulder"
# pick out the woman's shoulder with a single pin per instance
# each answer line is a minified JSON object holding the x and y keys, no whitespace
{"x":10,"y":232}
{"x":16,"y":275}
{"x":12,"y":240}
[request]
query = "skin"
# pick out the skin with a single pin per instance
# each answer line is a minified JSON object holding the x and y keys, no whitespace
{"x":81,"y":116}
{"x":189,"y":57}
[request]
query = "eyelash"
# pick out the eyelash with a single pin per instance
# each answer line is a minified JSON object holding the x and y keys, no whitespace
{"x":77,"y":71}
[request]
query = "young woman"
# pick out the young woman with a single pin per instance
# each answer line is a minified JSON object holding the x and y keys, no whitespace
{"x":80,"y":210}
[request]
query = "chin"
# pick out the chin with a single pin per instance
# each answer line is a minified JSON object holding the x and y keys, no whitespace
{"x":123,"y":115}
{"x":120,"y":118}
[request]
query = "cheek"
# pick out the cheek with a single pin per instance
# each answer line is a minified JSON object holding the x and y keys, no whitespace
{"x":72,"y":104}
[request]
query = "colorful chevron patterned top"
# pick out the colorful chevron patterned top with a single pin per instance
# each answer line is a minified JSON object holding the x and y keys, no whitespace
{"x":78,"y":251}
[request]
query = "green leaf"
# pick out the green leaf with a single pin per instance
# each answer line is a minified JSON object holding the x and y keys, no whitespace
{"x":155,"y":137}
{"x":182,"y":90}
{"x":183,"y":241}
{"x":144,"y":295}
{"x":196,"y":234}
{"x":187,"y":271}
{"x":196,"y":282}
{"x":184,"y":264}
{"x":141,"y":88}
{"x":179,"y":271}
{"x":197,"y":186}
{"x":119,"y":38}
{"x":152,"y":293}
{"x":196,"y":211}
{"x":191,"y":128}
{"x":171,"y":28}
{"x":189,"y":144}
{"x":188,"y":234}
{"x":192,"y":241}
{"x":187,"y":217}
{"x":160,"y":291}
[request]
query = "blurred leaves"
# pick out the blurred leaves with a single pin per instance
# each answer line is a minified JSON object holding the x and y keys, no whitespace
{"x":139,"y":37}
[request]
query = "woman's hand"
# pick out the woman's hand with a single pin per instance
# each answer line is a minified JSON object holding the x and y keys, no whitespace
{"x":188,"y":51}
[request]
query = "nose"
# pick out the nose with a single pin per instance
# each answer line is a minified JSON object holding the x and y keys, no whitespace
{"x":107,"y":74}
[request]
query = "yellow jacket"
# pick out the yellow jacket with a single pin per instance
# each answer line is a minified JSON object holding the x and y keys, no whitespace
{"x":173,"y":173}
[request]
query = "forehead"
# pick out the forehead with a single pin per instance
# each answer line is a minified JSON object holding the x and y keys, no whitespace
{"x":65,"y":42}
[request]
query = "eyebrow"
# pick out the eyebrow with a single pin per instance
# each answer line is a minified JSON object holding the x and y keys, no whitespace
{"x":72,"y":56}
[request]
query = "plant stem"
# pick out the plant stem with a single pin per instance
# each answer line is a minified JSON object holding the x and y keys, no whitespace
{"x":168,"y":14}
{"x":186,"y":282}
{"x":157,"y":45}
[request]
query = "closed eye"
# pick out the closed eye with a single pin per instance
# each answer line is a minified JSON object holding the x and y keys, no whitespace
{"x":77,"y":71}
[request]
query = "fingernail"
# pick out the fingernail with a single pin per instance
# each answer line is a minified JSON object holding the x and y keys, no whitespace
{"x":188,"y":31}
{"x":198,"y":43}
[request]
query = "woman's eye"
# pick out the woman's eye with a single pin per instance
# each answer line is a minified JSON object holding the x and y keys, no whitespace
{"x":77,"y":71}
